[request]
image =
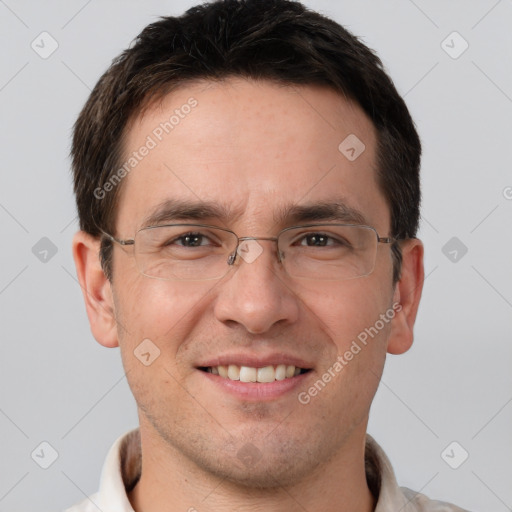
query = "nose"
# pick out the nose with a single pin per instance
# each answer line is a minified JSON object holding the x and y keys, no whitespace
{"x":256,"y":293}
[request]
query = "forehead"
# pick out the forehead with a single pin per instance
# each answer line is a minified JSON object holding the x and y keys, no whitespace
{"x":255,"y":149}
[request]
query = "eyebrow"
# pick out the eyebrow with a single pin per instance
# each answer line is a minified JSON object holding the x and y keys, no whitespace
{"x":321,"y":211}
{"x":185,"y":210}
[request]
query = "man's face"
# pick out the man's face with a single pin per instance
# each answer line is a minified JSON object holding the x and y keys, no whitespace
{"x":255,"y":150}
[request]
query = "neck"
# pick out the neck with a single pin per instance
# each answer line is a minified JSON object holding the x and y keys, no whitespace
{"x":170,"y":482}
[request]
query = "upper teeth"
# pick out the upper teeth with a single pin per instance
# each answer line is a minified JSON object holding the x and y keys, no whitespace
{"x":249,"y":374}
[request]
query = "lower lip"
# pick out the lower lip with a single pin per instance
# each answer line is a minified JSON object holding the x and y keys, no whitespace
{"x":258,"y":391}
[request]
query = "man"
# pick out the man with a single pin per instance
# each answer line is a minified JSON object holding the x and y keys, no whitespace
{"x":247,"y":181}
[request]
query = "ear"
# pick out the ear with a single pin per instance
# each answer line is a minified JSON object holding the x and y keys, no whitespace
{"x":96,"y":289}
{"x":407,"y":295}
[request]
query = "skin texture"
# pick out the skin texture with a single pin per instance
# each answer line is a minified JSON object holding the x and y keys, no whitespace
{"x":255,"y":147}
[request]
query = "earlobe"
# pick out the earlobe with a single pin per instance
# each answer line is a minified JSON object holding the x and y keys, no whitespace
{"x":407,"y":295}
{"x":96,"y":289}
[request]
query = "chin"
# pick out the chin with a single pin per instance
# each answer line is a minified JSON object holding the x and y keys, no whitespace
{"x":254,"y":454}
{"x":262,"y":460}
{"x":268,"y":472}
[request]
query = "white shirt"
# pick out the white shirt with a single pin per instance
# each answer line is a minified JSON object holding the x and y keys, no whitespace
{"x":122,"y":469}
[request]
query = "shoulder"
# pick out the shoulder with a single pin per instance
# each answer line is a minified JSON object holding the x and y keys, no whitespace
{"x":418,"y":502}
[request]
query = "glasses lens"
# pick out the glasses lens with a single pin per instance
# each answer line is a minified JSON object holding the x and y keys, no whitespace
{"x":184,"y":252}
{"x":328,"y":251}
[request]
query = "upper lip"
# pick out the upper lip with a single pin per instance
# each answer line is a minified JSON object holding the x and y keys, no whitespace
{"x":255,"y":361}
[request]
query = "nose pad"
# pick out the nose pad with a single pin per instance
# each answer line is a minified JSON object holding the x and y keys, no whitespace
{"x":249,"y":250}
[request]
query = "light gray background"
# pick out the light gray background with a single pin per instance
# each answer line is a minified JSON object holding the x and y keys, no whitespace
{"x":455,"y":384}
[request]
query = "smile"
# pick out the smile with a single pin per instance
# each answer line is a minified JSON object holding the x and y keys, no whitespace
{"x":265,"y":374}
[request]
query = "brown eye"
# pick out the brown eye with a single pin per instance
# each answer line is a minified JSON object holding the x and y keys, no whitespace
{"x":190,"y":240}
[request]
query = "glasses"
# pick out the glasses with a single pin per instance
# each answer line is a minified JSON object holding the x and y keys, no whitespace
{"x":197,"y":252}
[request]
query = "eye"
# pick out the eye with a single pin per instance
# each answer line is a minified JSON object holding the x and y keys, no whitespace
{"x":315,"y":239}
{"x":191,"y":239}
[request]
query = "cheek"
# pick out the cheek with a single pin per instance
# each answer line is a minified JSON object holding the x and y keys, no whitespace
{"x":155,"y":318}
{"x":164,"y":312}
{"x":349,"y":309}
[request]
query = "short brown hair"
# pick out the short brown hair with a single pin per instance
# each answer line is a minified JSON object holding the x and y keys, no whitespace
{"x":277,"y":40}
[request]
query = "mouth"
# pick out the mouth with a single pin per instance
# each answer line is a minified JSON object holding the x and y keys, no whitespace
{"x":265,"y":374}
